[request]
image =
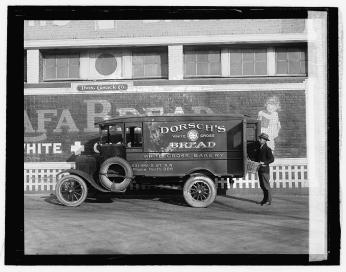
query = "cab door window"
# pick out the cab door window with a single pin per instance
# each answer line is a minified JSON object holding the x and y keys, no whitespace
{"x":116,"y":134}
{"x":251,"y":133}
{"x":134,"y":136}
{"x":112,"y":134}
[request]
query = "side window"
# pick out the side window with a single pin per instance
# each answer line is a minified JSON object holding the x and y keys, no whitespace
{"x":112,"y":134}
{"x":291,"y":61}
{"x":134,"y":137}
{"x":248,"y":61}
{"x":116,"y":134}
{"x":251,"y":133}
{"x":60,"y":65}
{"x":150,"y":64}
{"x":251,"y":138}
{"x":104,"y":135}
{"x":202,"y":62}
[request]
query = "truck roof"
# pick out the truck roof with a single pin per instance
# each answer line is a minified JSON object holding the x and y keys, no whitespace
{"x":165,"y":118}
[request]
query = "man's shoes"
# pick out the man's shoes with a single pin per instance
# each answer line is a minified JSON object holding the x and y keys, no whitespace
{"x":265,"y":203}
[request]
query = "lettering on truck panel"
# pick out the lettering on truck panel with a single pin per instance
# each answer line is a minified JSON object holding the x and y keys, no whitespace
{"x":200,"y":126}
{"x":189,"y":135}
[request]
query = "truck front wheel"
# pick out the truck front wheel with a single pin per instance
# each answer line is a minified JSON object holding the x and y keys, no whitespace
{"x":199,"y":191}
{"x":71,"y":190}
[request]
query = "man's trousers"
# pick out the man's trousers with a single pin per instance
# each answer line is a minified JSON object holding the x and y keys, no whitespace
{"x":265,"y":186}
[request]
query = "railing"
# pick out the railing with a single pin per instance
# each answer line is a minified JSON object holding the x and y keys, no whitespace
{"x":284,"y":173}
{"x":42,"y":176}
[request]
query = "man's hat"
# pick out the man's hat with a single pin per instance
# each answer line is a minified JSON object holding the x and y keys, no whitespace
{"x":264,"y":136}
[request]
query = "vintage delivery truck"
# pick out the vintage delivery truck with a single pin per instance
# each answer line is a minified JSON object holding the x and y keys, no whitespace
{"x":192,"y":150}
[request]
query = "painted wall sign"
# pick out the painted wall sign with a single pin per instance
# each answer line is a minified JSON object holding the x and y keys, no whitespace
{"x":270,"y":122}
{"x":42,"y":148}
{"x":69,"y":120}
{"x":102,"y":87}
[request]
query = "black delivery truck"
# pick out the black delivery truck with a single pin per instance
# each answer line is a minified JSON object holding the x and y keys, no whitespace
{"x":191,"y":150}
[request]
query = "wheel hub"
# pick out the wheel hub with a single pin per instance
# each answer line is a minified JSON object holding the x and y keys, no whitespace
{"x":72,"y":191}
{"x":200,"y":191}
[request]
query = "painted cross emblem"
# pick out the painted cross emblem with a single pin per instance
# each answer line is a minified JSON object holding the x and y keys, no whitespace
{"x":77,"y":148}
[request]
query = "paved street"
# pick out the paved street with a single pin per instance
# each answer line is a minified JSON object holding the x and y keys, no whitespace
{"x":148,"y":223}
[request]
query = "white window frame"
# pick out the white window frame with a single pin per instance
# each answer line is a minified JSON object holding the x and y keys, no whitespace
{"x":44,"y":75}
{"x":288,"y":74}
{"x":203,"y":76}
{"x":159,"y":51}
{"x":242,"y":67}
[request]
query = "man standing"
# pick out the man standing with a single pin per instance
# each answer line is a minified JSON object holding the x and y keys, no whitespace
{"x":264,"y":156}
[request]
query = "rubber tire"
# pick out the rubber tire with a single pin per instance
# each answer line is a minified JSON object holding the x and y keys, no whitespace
{"x":197,"y":203}
{"x":116,"y":187}
{"x":65,"y":202}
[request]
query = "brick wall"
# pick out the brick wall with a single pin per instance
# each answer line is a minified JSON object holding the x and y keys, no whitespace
{"x":137,"y":28}
{"x":63,"y":120}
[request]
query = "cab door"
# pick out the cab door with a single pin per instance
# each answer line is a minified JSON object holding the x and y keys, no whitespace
{"x":112,"y":141}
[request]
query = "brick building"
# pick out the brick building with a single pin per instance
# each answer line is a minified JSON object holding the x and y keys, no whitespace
{"x":79,"y":72}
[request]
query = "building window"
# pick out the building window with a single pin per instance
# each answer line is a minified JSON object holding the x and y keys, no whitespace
{"x":201,"y":62}
{"x":248,"y":62}
{"x":290,"y":61}
{"x":25,"y":66}
{"x":60,"y":66}
{"x":150,"y":64}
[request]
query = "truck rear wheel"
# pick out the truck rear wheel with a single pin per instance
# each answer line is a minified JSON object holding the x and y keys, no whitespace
{"x":71,"y":190}
{"x":199,"y":191}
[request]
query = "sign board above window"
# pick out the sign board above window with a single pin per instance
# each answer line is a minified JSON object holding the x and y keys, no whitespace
{"x":98,"y":87}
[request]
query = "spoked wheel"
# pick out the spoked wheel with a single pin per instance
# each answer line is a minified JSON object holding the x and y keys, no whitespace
{"x":199,"y":191}
{"x":71,"y":190}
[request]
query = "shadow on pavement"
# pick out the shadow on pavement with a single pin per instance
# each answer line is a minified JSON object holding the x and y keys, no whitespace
{"x":52,"y":199}
{"x":99,"y":198}
{"x":166,"y":196}
{"x":242,"y":199}
{"x":173,"y":197}
{"x":175,"y":200}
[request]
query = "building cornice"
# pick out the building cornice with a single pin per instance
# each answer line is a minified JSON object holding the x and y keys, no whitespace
{"x":170,"y":40}
{"x":174,"y":89}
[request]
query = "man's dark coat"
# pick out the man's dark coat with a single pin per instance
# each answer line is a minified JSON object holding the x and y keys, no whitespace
{"x":265,"y":155}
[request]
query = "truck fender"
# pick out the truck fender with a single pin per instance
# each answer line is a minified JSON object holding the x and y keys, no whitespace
{"x":84,"y":176}
{"x":203,"y":171}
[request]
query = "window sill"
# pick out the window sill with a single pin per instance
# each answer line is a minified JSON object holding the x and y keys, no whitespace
{"x":229,"y":80}
{"x":186,"y":81}
{"x":48,"y":85}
